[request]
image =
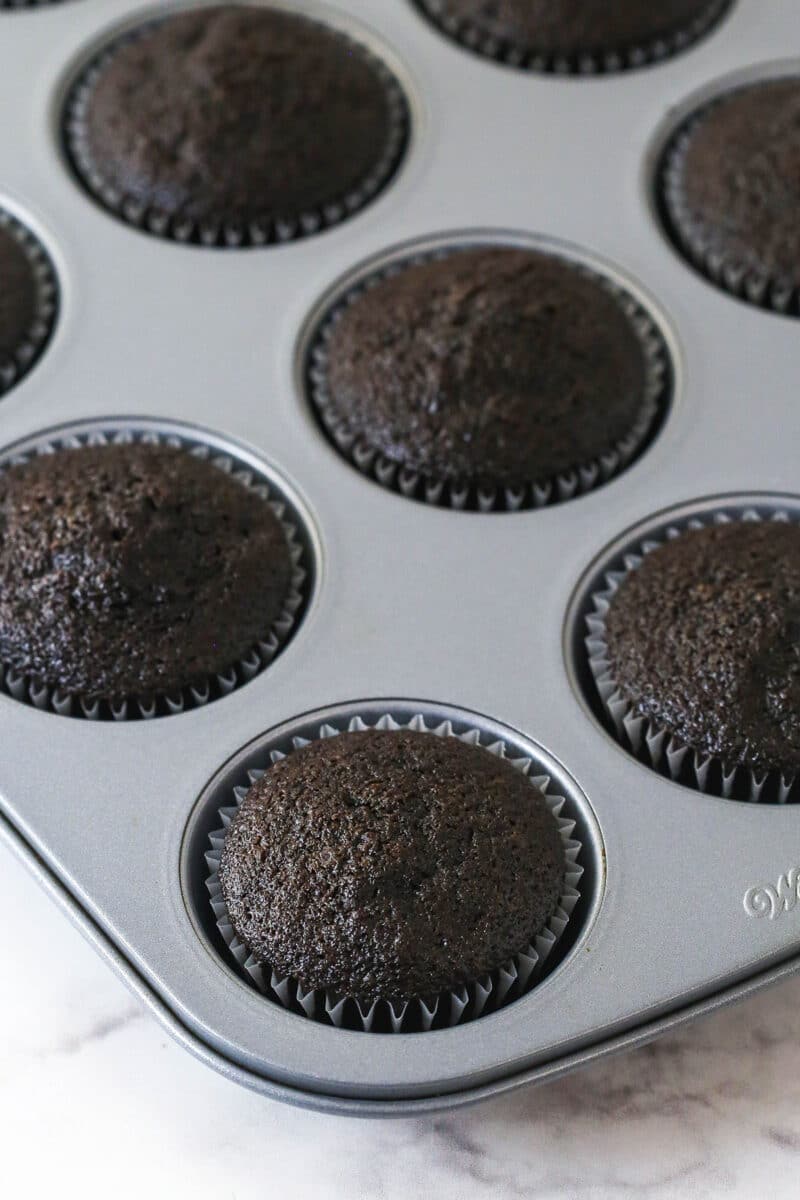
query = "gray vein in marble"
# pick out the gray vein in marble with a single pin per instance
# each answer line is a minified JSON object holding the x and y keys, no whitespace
{"x":104,"y":1027}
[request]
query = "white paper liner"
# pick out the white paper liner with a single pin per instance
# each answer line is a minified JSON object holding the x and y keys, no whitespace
{"x":466,"y":495}
{"x":649,"y":742}
{"x":612,"y":61}
{"x":42,"y":696}
{"x":700,"y":242}
{"x":267,"y":230}
{"x":468,"y":1002}
{"x":15,"y":365}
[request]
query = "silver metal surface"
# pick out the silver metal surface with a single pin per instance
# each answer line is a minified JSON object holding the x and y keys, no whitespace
{"x":452,"y":608}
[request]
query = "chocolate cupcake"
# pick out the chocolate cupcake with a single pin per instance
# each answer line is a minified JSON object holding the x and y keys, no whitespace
{"x":488,"y":377}
{"x":135,"y":571}
{"x":731,"y":191}
{"x":575,"y":35}
{"x":250,"y":125}
{"x":695,"y":650}
{"x":27,"y":300}
{"x":389,"y":865}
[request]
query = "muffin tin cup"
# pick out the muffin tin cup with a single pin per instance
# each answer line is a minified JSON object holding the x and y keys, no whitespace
{"x":15,"y":365}
{"x":466,"y":495}
{"x":43,"y":696}
{"x":468,"y":1002}
{"x":699,"y":244}
{"x":644,"y":737}
{"x":231,"y":234}
{"x":609,"y":62}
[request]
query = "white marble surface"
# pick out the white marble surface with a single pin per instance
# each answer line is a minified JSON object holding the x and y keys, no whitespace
{"x":96,"y":1101}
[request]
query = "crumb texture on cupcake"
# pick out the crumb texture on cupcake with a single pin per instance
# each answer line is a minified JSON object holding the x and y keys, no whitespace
{"x":130,"y":570}
{"x":576,"y":27}
{"x":734,"y":189}
{"x":390,"y":865}
{"x":704,"y":640}
{"x":236,"y":114}
{"x":493,"y":366}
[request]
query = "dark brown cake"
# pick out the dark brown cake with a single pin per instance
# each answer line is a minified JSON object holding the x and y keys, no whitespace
{"x":734,"y":191}
{"x":492,"y":366}
{"x":19,"y":301}
{"x":131,"y":570}
{"x":235,"y":114}
{"x":390,"y":864}
{"x":704,"y":639}
{"x":576,"y":28}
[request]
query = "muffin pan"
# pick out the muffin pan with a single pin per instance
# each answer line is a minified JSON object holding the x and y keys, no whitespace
{"x":476,"y":618}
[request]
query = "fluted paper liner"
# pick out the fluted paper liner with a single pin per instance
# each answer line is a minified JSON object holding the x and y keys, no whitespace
{"x":492,"y":991}
{"x":606,"y":62}
{"x":17,"y":363}
{"x":465,"y":494}
{"x":645,"y":738}
{"x":700,"y":244}
{"x":263,"y":231}
{"x":41,"y":695}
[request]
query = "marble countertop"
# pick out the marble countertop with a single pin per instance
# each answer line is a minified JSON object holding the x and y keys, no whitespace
{"x":93,"y":1091}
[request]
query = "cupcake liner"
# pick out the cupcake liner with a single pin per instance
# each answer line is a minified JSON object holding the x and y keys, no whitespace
{"x":465,"y":1003}
{"x":233,"y":234}
{"x":17,"y":364}
{"x":649,"y":742}
{"x":466,"y":495}
{"x":609,"y":62}
{"x":31,"y":690}
{"x":699,"y":243}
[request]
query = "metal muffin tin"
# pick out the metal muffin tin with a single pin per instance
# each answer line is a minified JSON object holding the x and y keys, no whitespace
{"x":475,"y":616}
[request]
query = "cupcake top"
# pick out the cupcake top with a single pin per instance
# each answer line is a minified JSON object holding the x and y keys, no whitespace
{"x":389,"y":865}
{"x":128,"y":570}
{"x":734,"y":186}
{"x":704,"y":640}
{"x":493,"y":366}
{"x":242,"y":115}
{"x":574,"y":28}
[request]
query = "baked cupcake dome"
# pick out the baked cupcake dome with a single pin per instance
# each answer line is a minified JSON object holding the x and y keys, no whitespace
{"x":578,"y":34}
{"x":731,"y":191}
{"x":28,"y":299}
{"x":133,"y":570}
{"x":313,"y":123}
{"x":703,"y":640}
{"x":390,"y":864}
{"x":486,"y":369}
